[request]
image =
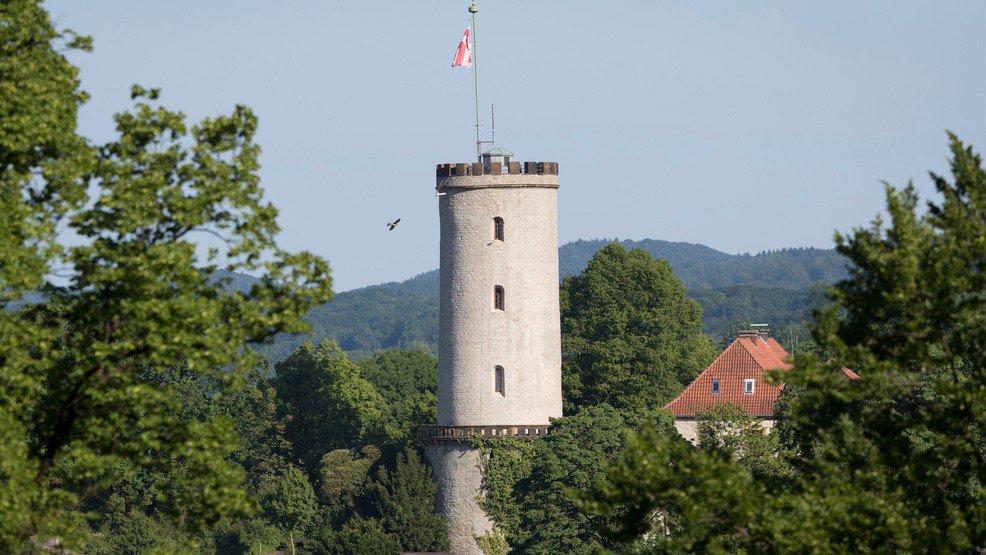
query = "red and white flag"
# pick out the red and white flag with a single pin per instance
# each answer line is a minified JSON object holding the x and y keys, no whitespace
{"x":463,"y":54}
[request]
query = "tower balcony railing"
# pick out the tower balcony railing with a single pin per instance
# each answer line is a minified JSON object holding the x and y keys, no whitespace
{"x":444,"y":434}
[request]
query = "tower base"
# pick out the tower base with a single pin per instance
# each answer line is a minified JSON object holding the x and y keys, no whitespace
{"x":458,"y":470}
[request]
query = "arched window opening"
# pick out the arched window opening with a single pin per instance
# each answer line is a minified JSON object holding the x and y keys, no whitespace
{"x":498,"y":228}
{"x":498,"y":298}
{"x":498,"y":380}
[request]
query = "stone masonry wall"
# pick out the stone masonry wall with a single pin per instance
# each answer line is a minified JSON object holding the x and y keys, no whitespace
{"x":457,"y":471}
{"x":474,"y":338}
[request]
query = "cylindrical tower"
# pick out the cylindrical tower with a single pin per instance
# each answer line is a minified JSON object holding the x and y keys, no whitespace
{"x":499,"y":347}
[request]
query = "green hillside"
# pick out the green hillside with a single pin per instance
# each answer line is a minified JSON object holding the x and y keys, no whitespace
{"x":775,"y":287}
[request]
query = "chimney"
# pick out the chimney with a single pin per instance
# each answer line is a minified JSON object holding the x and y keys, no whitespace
{"x":756,"y":330}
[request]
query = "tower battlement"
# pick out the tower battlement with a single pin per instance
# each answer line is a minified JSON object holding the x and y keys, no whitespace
{"x":496,"y":168}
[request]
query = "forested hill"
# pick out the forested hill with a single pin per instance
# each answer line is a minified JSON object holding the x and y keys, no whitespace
{"x":776,"y":287}
{"x":698,"y":266}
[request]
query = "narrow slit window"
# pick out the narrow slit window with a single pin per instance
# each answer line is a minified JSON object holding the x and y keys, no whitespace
{"x":498,"y":380}
{"x":498,"y":228}
{"x":498,"y":301}
{"x":715,"y":387}
{"x":748,"y":386}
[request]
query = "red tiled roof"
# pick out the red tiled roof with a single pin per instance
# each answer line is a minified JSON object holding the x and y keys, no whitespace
{"x":747,"y":357}
{"x":850,"y":374}
{"x":845,"y":371}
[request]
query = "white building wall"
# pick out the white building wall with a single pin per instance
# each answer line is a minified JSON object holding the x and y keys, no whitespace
{"x":525,"y":338}
{"x":689,"y":428}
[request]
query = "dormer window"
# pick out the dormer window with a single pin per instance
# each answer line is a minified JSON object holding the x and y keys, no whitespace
{"x":715,"y":387}
{"x":498,"y":228}
{"x":748,"y":386}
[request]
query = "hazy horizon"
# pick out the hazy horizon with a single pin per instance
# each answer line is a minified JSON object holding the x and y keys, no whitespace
{"x":742,"y":128}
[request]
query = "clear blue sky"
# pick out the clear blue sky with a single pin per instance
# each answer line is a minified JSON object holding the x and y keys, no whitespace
{"x":740,"y":125}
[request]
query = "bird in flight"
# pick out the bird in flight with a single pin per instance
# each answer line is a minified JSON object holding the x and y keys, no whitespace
{"x":393,"y":224}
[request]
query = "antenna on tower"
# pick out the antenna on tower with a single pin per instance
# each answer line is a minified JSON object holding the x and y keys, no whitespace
{"x":473,"y":10}
{"x":493,"y":124}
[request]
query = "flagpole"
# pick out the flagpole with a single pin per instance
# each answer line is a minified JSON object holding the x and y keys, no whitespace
{"x":475,"y":72}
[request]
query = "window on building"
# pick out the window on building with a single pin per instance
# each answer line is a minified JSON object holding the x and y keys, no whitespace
{"x":498,"y":380}
{"x":498,"y":228}
{"x":715,"y":387}
{"x":748,"y":386}
{"x":498,"y":298}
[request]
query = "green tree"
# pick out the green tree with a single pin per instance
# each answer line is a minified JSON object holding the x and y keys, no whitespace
{"x":288,"y":500}
{"x":527,"y":486}
{"x":704,"y":495}
{"x":398,"y":373}
{"x":345,"y":476}
{"x":41,"y":156}
{"x":408,"y":381}
{"x":404,"y":499}
{"x":730,"y":429}
{"x":247,"y":536}
{"x":134,"y":292}
{"x":630,"y":336}
{"x":406,"y":414}
{"x":328,"y":403}
{"x":890,"y":463}
{"x":134,"y":533}
{"x":260,"y":428}
{"x":358,"y":537}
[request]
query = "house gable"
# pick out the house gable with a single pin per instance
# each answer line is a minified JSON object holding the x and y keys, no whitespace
{"x":746,"y":358}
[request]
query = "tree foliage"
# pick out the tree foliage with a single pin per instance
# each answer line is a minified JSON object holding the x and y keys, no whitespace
{"x":404,"y":499}
{"x":630,"y":336}
{"x":728,"y":428}
{"x":288,"y":500}
{"x":358,"y":537}
{"x":133,"y":417}
{"x":345,"y":475}
{"x":398,"y":374}
{"x":41,"y":156}
{"x":527,"y":486}
{"x":890,"y":463}
{"x":327,"y":403}
{"x":134,"y":293}
{"x":408,"y":382}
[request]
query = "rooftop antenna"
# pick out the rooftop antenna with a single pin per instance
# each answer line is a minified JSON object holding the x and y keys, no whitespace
{"x":473,"y":9}
{"x":493,"y":124}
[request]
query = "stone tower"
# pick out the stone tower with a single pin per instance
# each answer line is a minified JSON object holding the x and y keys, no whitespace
{"x":499,"y":361}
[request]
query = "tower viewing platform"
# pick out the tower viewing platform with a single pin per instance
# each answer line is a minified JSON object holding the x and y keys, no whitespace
{"x":432,"y":435}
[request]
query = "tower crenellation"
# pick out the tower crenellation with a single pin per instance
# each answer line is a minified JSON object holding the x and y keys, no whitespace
{"x":496,"y":168}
